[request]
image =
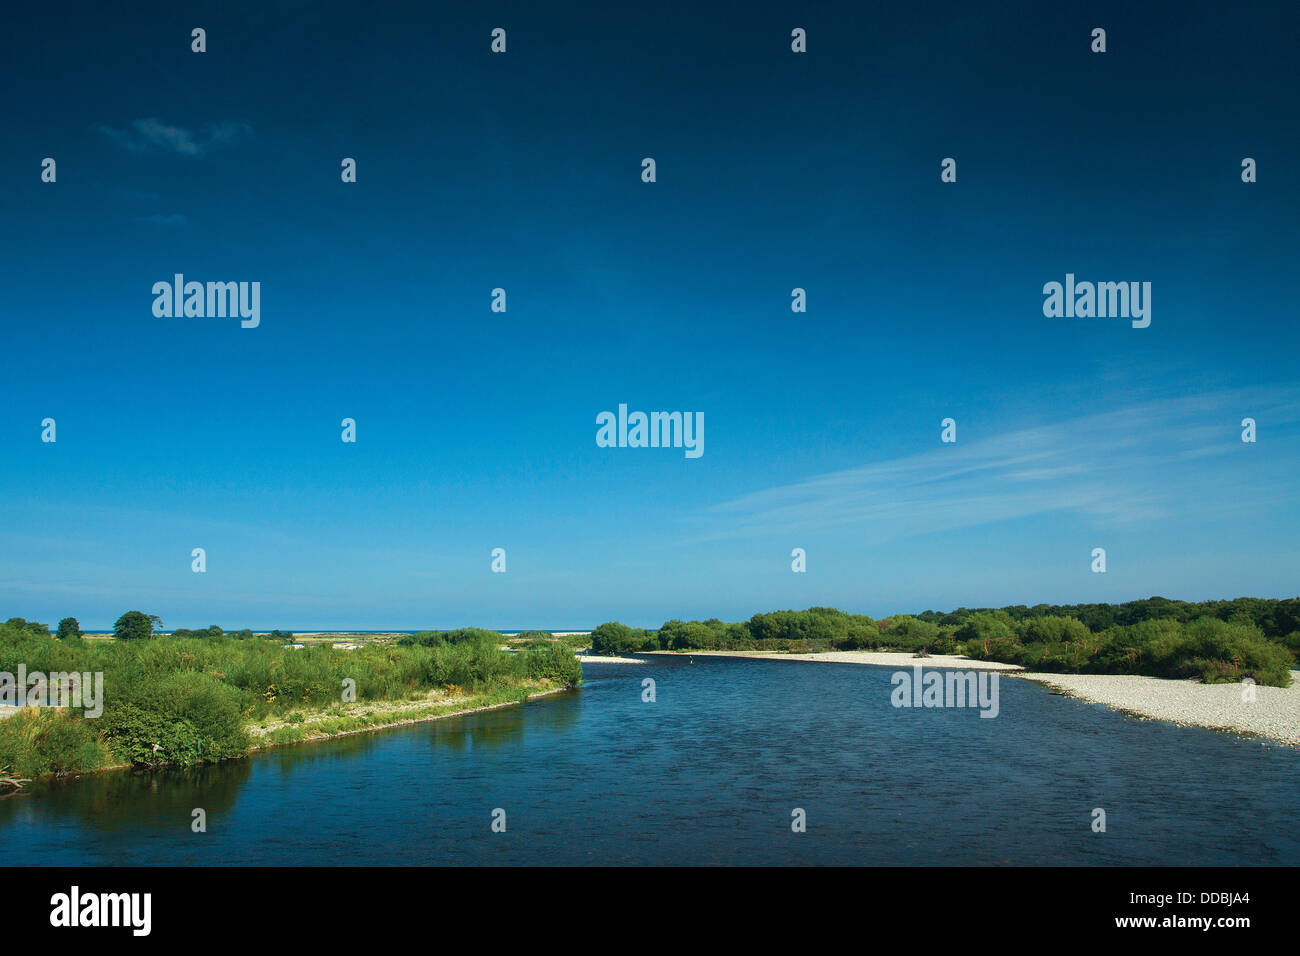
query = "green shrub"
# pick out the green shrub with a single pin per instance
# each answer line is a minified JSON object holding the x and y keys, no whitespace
{"x":987,"y":633}
{"x":1222,"y":652}
{"x":192,"y":718}
{"x":43,"y":740}
{"x":1053,"y":630}
{"x":555,"y":662}
{"x":1292,"y":643}
{"x":614,"y":638}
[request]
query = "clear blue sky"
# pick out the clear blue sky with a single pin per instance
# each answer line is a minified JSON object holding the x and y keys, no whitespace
{"x":477,"y":429}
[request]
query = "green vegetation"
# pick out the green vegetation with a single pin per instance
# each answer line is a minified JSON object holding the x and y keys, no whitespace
{"x":245,"y":634}
{"x":554,"y":663}
{"x":190,"y":697}
{"x":30,"y":626}
{"x":40,"y":741}
{"x":136,"y":626}
{"x":1215,"y":641}
{"x":195,"y":697}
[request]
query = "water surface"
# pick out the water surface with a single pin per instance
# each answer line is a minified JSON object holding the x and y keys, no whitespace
{"x":707,"y":774}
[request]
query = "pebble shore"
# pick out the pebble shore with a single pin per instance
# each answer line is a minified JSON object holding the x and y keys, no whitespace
{"x":1274,"y":713}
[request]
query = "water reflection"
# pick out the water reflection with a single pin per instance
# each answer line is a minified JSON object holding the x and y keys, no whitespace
{"x":122,"y":800}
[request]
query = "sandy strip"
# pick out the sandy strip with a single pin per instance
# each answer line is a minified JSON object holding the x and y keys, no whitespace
{"x":902,"y":659}
{"x":599,"y":659}
{"x":1274,"y":713}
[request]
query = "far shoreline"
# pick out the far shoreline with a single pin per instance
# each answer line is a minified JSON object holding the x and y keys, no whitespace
{"x":1274,"y":714}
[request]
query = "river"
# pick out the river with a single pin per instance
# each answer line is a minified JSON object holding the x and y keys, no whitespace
{"x":708,"y":773}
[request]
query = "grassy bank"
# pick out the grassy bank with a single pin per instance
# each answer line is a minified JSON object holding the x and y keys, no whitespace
{"x":1214,"y":641}
{"x":341,"y":720}
{"x":183,"y":701}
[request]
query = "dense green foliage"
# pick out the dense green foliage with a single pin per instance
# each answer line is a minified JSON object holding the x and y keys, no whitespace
{"x":614,"y":638}
{"x":1274,"y":618}
{"x":1208,"y":648}
{"x":180,"y":700}
{"x":68,"y":628}
{"x":210,"y":631}
{"x":554,"y":662}
{"x":135,"y":626}
{"x":214,"y":631}
{"x":464,"y":635}
{"x":39,"y":741}
{"x":1215,"y":641}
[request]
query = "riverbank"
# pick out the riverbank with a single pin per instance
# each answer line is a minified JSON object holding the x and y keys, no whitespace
{"x":209,"y":699}
{"x":338,"y":721}
{"x":1273,"y":714}
{"x":344,"y":721}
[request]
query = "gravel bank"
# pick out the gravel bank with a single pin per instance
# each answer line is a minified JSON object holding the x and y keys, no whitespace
{"x":1274,"y":713}
{"x":902,"y":659}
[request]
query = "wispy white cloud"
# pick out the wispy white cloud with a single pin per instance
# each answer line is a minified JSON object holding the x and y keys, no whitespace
{"x":153,"y":135}
{"x":1124,"y":466}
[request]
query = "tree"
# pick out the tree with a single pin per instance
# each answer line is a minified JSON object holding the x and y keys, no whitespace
{"x":135,"y":626}
{"x":984,"y":630}
{"x":68,"y":627}
{"x":615,"y":638}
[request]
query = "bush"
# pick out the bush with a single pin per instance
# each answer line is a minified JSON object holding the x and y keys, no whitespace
{"x":555,"y":663}
{"x":614,"y":638}
{"x":192,"y":718}
{"x":909,"y":633}
{"x":1054,"y":630}
{"x":1292,"y":643}
{"x":987,"y":633}
{"x":38,"y":741}
{"x":463,"y":635}
{"x":135,"y":626}
{"x":1219,"y":653}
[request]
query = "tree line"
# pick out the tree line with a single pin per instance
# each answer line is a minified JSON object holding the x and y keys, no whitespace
{"x":137,"y":626}
{"x":1215,"y":641}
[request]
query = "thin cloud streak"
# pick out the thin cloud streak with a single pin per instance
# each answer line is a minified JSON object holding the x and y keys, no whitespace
{"x":153,"y":135}
{"x":1121,"y":467}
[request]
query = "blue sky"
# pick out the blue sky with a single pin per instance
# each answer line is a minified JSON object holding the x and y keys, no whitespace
{"x":477,"y":429}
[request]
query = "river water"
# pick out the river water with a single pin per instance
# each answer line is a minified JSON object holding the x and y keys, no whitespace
{"x":708,"y":773}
